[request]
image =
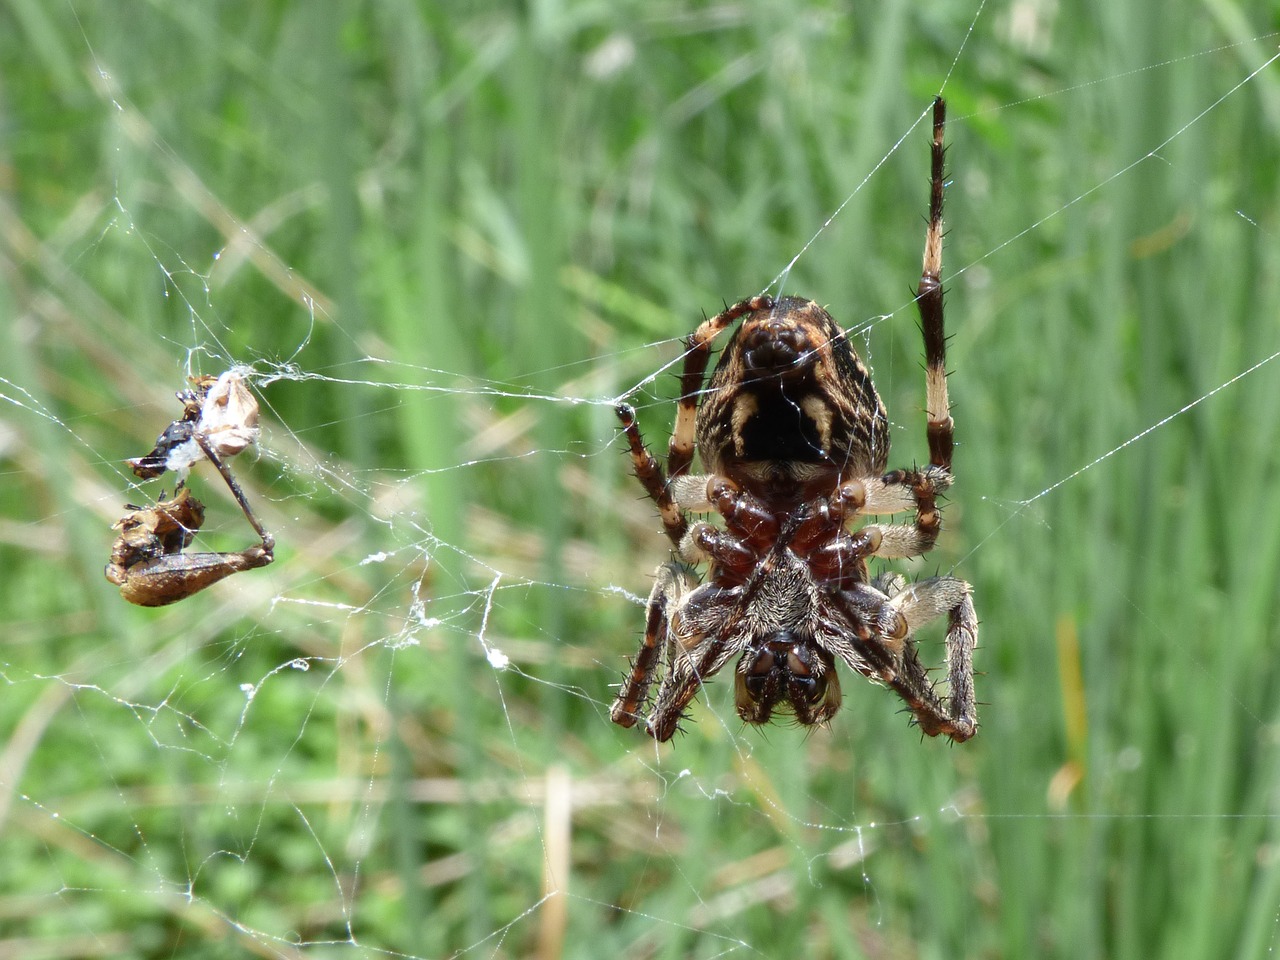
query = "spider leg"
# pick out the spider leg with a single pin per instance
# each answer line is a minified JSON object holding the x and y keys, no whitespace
{"x":687,"y":627}
{"x":879,"y":646}
{"x":691,"y":660}
{"x":649,"y":472}
{"x":907,"y":490}
{"x":673,"y":581}
{"x":680,"y":451}
{"x":919,"y":603}
{"x":929,"y":302}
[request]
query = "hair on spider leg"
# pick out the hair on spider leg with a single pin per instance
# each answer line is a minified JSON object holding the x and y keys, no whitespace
{"x":808,"y":730}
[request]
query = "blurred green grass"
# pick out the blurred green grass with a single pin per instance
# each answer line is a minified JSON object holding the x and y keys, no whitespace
{"x":470,"y":228}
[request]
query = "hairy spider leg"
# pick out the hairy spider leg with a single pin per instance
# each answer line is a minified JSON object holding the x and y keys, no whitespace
{"x":920,"y":603}
{"x":649,"y":472}
{"x":671,"y":583}
{"x":680,"y":451}
{"x":929,"y":303}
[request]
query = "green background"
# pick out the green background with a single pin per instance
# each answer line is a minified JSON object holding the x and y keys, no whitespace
{"x":447,"y":236}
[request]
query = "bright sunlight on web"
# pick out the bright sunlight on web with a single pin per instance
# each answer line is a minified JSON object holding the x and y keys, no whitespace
{"x":438,"y":250}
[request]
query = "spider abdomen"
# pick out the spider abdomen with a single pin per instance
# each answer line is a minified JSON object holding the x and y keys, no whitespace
{"x":791,"y":406}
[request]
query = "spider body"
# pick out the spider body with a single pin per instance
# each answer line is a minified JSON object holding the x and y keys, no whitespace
{"x":789,"y":406}
{"x":794,"y":443}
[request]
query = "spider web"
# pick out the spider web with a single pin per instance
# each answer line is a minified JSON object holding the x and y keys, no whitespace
{"x":395,"y":740}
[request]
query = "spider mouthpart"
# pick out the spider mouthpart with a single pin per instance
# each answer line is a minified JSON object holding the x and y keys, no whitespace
{"x":786,"y":670}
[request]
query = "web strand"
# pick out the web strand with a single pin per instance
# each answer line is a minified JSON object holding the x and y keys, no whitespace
{"x":369,"y":720}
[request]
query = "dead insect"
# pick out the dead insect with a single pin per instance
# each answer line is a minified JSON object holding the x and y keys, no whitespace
{"x":147,"y":561}
{"x":219,"y":420}
{"x":219,"y":413}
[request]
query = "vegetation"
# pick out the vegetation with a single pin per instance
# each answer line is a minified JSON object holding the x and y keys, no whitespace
{"x":446,"y":237}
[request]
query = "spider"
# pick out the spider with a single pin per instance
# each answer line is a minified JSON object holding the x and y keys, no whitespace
{"x":794,"y":442}
{"x":219,"y":420}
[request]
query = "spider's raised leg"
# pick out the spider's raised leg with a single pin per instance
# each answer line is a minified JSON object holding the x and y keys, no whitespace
{"x":896,"y":661}
{"x":929,"y":302}
{"x":926,"y":600}
{"x":919,"y":489}
{"x":680,"y":451}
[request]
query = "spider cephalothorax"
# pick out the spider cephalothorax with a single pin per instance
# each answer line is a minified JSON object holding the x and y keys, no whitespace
{"x":794,"y":442}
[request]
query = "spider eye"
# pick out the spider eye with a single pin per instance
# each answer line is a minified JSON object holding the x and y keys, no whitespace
{"x":798,"y":664}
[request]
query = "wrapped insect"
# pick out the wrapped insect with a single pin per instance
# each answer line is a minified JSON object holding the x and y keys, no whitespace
{"x":148,"y":562}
